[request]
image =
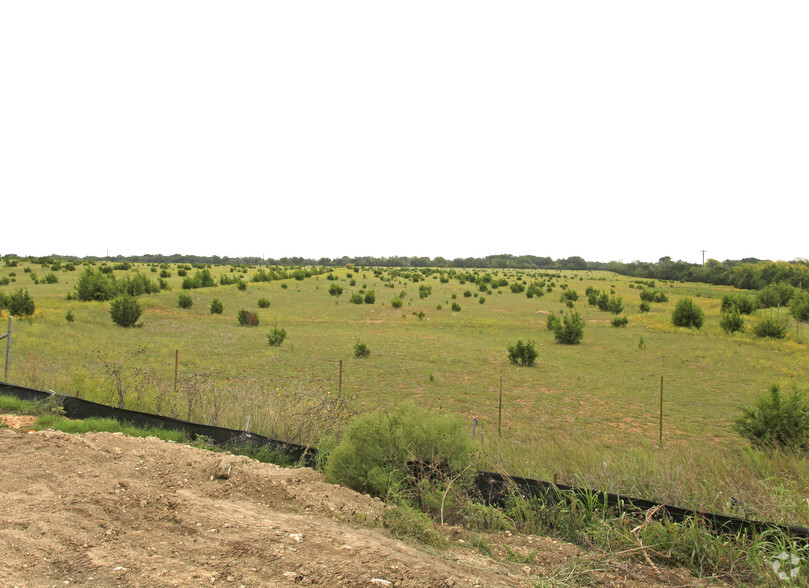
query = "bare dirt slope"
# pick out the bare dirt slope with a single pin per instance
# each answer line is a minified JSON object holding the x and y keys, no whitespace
{"x":110,"y":510}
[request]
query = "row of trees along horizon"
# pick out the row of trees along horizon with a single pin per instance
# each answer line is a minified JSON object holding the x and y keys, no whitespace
{"x":749,"y":273}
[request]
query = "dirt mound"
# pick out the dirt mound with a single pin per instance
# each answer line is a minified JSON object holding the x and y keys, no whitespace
{"x":105,"y":509}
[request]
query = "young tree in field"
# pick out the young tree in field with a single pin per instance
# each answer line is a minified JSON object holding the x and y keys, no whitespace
{"x":687,"y":314}
{"x":125,"y":310}
{"x":799,"y":306}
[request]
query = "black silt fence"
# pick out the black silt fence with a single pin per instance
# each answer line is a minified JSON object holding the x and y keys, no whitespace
{"x":492,"y":488}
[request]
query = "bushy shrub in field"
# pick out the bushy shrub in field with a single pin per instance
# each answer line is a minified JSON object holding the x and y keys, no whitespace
{"x":201,"y":279}
{"x":619,"y":321}
{"x":405,"y":455}
{"x":184,"y":300}
{"x":524,"y":354}
{"x":356,"y":298}
{"x":455,"y":307}
{"x":50,"y":278}
{"x":299,"y":275}
{"x":241,"y":286}
{"x":743,"y":303}
{"x":799,"y":306}
{"x":125,"y":310}
{"x":370,"y":297}
{"x":568,"y":294}
{"x":425,"y":291}
{"x":775,"y":294}
{"x":731,"y":320}
{"x":396,"y":303}
{"x":645,"y":306}
{"x":94,"y":285}
{"x":517,"y":287}
{"x":182,"y":272}
{"x":216,"y":306}
{"x":137,"y":285}
{"x":263,"y":303}
{"x":570,"y":330}
{"x":770,"y":327}
{"x":552,"y":322}
{"x":247,"y":318}
{"x":276,"y":337}
{"x":163,"y":284}
{"x":467,"y":293}
{"x":361,"y":350}
{"x":335,"y":290}
{"x":534,"y":290}
{"x":70,"y":317}
{"x":687,"y":314}
{"x":21,"y":304}
{"x":164,"y":273}
{"x":482,"y":300}
{"x":777,"y":421}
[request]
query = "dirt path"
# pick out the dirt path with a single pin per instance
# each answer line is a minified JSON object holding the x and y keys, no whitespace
{"x":105,"y":509}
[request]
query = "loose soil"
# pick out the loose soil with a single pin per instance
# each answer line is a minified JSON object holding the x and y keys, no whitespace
{"x":105,"y":509}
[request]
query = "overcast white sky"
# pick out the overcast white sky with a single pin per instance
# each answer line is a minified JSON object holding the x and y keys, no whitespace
{"x":608,"y":130}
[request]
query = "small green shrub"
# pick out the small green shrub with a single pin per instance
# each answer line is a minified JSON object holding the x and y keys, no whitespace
{"x":361,"y":350}
{"x":50,"y":278}
{"x":93,"y":285}
{"x":396,"y":303}
{"x":524,"y":354}
{"x":370,"y":297}
{"x":645,"y":306}
{"x":777,"y":421}
{"x":517,"y":287}
{"x":247,"y":318}
{"x":775,"y":294}
{"x":356,"y":298}
{"x":467,"y":293}
{"x":164,"y":273}
{"x":263,"y":303}
{"x":570,"y":331}
{"x":216,"y":306}
{"x":482,"y":300}
{"x":242,"y":286}
{"x":70,"y":317}
{"x":335,"y":290}
{"x":425,"y":291}
{"x":276,"y":337}
{"x":799,"y":306}
{"x":744,"y":304}
{"x":687,"y":314}
{"x":406,"y":455}
{"x":619,"y":321}
{"x":184,"y":300}
{"x":21,"y":304}
{"x":125,"y":310}
{"x":770,"y":327}
{"x":731,"y":320}
{"x":552,"y":322}
{"x":456,"y":307}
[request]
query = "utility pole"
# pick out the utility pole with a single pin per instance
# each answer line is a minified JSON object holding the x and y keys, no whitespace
{"x":703,"y":256}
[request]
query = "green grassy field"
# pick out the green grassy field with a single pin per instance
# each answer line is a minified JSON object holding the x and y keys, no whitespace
{"x":587,"y":413}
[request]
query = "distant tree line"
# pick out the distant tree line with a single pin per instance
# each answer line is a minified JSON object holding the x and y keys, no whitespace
{"x":748,"y":273}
